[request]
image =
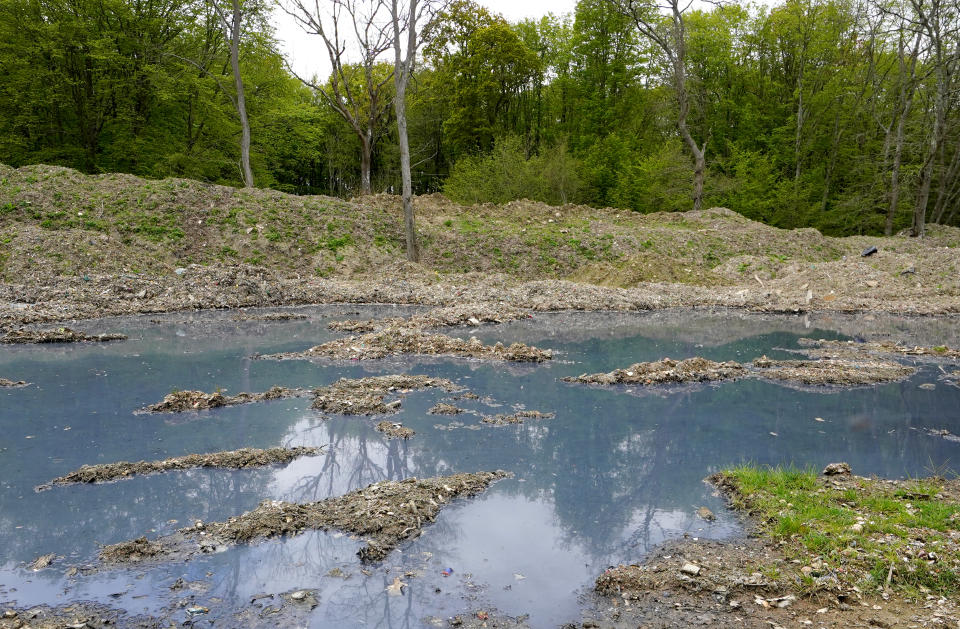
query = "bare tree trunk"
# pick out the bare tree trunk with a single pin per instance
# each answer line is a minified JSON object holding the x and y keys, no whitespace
{"x":403,"y":69}
{"x":366,"y":160}
{"x":241,"y":101}
{"x":905,"y":102}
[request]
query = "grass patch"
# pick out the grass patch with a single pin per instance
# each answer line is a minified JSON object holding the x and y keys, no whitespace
{"x":867,"y":533}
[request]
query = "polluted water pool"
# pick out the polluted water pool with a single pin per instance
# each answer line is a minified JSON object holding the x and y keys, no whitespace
{"x":599,"y":476}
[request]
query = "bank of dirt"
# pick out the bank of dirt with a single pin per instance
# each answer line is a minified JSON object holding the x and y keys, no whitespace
{"x":399,"y":341}
{"x":515,"y":418}
{"x":384,"y":515}
{"x":181,"y":401}
{"x":80,"y":246}
{"x":822,"y":348}
{"x":366,"y":396}
{"x":24,"y":336}
{"x":234,"y":459}
{"x":848,"y":372}
{"x":468,"y":315}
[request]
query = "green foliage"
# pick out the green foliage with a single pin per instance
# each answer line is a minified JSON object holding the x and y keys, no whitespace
{"x":507,"y":173}
{"x":863,"y":529}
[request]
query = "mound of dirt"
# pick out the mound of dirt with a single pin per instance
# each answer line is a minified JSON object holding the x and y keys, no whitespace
{"x":365,"y":396}
{"x":393,"y":430}
{"x":443,"y":408}
{"x":385,"y":514}
{"x":822,"y":348}
{"x":459,"y":315}
{"x":4,"y":383}
{"x":667,"y":371}
{"x":832,"y":372}
{"x":401,"y":341}
{"x":516,"y":418}
{"x":180,"y":401}
{"x":234,"y":459}
{"x":60,"y":335}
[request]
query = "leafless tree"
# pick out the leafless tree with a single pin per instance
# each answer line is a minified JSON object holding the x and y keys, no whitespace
{"x":357,"y":92}
{"x":669,"y":34}
{"x":407,"y":20}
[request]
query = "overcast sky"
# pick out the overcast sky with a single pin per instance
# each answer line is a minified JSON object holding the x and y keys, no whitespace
{"x":307,"y":55}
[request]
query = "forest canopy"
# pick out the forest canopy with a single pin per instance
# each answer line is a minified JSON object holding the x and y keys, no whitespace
{"x":835,"y":114}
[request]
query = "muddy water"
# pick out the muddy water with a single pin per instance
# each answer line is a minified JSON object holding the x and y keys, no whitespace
{"x":616,"y":471}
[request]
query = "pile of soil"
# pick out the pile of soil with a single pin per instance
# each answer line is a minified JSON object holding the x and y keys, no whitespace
{"x":400,"y":341}
{"x":393,"y":430}
{"x":459,"y":315}
{"x":4,"y":383}
{"x":60,"y":335}
{"x":270,"y":316}
{"x":822,"y":348}
{"x":479,"y":619}
{"x":443,"y":408}
{"x":667,"y":371}
{"x":516,"y":418}
{"x":384,"y":514}
{"x":181,"y":401}
{"x":79,"y":615}
{"x":364,"y":396}
{"x":804,"y":372}
{"x":849,"y":373}
{"x":235,"y":459}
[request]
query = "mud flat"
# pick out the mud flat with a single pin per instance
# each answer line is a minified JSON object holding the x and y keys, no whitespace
{"x":848,"y":373}
{"x":59,"y":335}
{"x":401,"y":341}
{"x":394,"y":430}
{"x":515,"y":418}
{"x":181,"y":401}
{"x":269,"y":316}
{"x":448,"y":316}
{"x":443,"y":408}
{"x":385,"y":514}
{"x":838,"y":372}
{"x":11,"y":384}
{"x":827,"y":348}
{"x":365,"y":396}
{"x":667,"y":371}
{"x":234,"y":459}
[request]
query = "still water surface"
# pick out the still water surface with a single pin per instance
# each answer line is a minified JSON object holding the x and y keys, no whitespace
{"x":615,"y":473}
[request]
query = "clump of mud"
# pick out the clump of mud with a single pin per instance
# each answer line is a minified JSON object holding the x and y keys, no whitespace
{"x":401,"y":341}
{"x":270,"y":316}
{"x":384,"y":514}
{"x":365,"y":396}
{"x":10,"y":384}
{"x":667,"y":371}
{"x":234,"y":459}
{"x":394,"y":430}
{"x":515,"y":418}
{"x":180,"y":401}
{"x":460,"y":315}
{"x":832,"y":372}
{"x":443,"y":408}
{"x":827,"y":348}
{"x":59,"y":335}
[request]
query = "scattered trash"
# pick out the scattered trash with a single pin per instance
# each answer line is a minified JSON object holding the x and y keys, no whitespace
{"x":447,"y":572}
{"x":42,"y":561}
{"x":518,"y":576}
{"x":483,"y":616}
{"x":396,"y":588}
{"x":690,"y":568}
{"x":299,"y":595}
{"x":706,"y":514}
{"x":197,"y":610}
{"x":869,"y":251}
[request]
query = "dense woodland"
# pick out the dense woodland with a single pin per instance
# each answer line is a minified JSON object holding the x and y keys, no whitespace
{"x":843,"y":115}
